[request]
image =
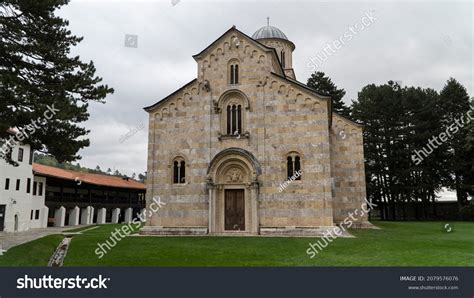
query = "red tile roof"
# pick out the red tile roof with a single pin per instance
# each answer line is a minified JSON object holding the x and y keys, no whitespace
{"x":97,"y":179}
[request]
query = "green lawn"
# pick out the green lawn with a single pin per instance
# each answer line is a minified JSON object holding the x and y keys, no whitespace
{"x":34,"y":253}
{"x":396,"y":244}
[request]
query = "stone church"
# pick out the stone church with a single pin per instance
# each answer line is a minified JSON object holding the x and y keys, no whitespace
{"x":224,"y":148}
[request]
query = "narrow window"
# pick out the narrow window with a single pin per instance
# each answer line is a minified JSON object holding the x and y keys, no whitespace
{"x":283,"y":59}
{"x":31,"y":156}
{"x":289,"y":166}
{"x":182,"y":174}
{"x":234,"y":119}
{"x":35,"y":185}
{"x":297,"y":167}
{"x":7,"y":183}
{"x":232,"y":78}
{"x":17,"y":184}
{"x":31,"y":215}
{"x":20,"y":154}
{"x":40,"y":190}
{"x":179,"y":172}
{"x":175,"y":172}
{"x":229,"y":130}
{"x":239,"y":119}
{"x":28,"y":185}
{"x":37,"y":214}
{"x":293,"y":165}
{"x":234,"y":74}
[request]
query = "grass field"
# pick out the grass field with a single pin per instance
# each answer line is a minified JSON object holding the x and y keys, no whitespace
{"x":34,"y":253}
{"x":395,"y":244}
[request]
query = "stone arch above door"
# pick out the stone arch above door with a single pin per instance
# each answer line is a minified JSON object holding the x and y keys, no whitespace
{"x":231,"y":170}
{"x":234,"y":165}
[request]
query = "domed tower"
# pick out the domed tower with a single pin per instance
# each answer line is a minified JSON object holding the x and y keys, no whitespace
{"x":275,"y":38}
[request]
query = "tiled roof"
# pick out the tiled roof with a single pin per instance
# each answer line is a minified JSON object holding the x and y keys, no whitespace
{"x":97,"y":179}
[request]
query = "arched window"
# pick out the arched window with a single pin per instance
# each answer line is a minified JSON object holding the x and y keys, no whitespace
{"x":232,"y":107}
{"x":234,"y":74}
{"x":282,"y":54}
{"x":179,"y":171}
{"x":234,"y":119}
{"x":293,"y":166}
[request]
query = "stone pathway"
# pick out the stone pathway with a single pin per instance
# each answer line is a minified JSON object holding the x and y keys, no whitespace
{"x":9,"y":240}
{"x":57,"y":259}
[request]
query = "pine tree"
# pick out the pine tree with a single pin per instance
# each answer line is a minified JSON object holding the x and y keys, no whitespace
{"x":469,"y":147}
{"x":422,"y":175}
{"x":37,"y":74}
{"x":322,"y":83}
{"x":142,"y":177}
{"x":397,"y":122}
{"x":454,"y":106}
{"x":378,"y":108}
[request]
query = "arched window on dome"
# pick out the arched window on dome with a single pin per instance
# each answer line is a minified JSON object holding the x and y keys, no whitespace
{"x":282,"y":55}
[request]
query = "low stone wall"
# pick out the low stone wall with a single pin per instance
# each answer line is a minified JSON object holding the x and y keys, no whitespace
{"x":300,"y":231}
{"x":154,"y":230}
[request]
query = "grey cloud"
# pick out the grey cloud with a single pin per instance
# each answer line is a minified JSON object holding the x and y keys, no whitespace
{"x":420,"y":43}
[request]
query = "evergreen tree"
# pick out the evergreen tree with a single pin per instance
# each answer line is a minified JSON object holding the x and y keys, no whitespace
{"x":142,"y":177}
{"x":422,"y":176}
{"x":469,"y":147}
{"x":322,"y":83}
{"x":378,"y":108}
{"x":397,"y":122}
{"x":37,"y":75}
{"x":454,"y":106}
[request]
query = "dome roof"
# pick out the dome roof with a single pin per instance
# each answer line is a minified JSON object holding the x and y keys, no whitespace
{"x":269,"y":32}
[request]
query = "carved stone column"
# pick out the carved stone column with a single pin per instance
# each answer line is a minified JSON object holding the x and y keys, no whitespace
{"x":212,"y":205}
{"x":254,"y":187}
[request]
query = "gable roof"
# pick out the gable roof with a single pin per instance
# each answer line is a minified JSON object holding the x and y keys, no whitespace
{"x":319,"y":94}
{"x":96,"y":179}
{"x":348,"y":120}
{"x":150,"y":108}
{"x":327,"y":97}
{"x":256,"y":42}
{"x":233,"y":28}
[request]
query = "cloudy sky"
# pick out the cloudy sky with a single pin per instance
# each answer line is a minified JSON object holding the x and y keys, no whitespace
{"x":419,"y":44}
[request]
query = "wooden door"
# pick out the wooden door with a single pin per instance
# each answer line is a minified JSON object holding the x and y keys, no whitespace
{"x":234,"y":210}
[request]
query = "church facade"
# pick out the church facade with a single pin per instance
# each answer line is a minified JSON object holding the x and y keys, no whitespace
{"x":245,"y":148}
